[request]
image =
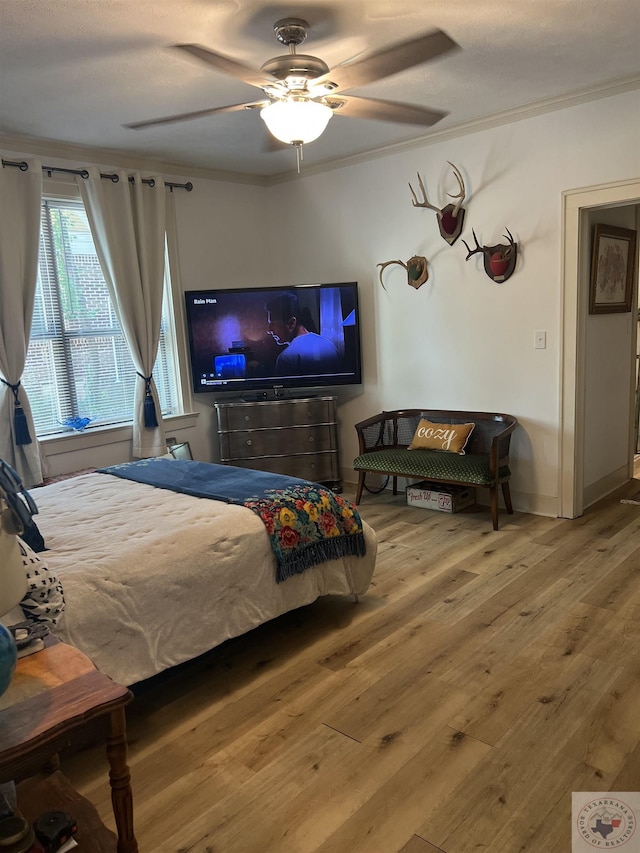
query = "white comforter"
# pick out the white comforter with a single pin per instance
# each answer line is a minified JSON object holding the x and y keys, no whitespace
{"x":153,"y":578}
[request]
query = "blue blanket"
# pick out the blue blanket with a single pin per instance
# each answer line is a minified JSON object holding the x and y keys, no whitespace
{"x":306,"y":523}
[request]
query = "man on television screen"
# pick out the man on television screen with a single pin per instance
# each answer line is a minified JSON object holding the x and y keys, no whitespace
{"x":304,"y":353}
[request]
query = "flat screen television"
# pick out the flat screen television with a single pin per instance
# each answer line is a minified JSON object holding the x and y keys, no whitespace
{"x":257,"y":339}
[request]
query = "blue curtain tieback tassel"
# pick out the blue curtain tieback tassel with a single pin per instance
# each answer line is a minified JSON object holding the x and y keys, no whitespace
{"x":150,"y":417}
{"x":20,"y":424}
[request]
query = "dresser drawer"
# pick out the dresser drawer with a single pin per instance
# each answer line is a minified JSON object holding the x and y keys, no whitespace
{"x":318,"y":467}
{"x":285,"y":413}
{"x":281,"y":441}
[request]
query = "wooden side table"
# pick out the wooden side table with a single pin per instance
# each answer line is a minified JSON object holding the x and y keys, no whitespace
{"x":55,"y":692}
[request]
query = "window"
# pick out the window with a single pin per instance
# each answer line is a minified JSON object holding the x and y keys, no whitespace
{"x":78,"y":363}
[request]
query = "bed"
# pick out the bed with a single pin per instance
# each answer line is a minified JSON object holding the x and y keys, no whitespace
{"x":153,"y":578}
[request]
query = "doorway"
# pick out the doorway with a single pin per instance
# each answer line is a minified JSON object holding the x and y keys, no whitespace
{"x":578,"y":209}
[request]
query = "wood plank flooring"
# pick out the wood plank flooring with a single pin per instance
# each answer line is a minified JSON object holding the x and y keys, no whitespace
{"x":484,"y":677}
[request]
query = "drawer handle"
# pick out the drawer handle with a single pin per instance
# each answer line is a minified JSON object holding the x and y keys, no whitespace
{"x":311,"y":439}
{"x":249,"y":442}
{"x":247,"y":417}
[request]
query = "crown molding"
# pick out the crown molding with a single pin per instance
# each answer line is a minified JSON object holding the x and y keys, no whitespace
{"x":562,"y":102}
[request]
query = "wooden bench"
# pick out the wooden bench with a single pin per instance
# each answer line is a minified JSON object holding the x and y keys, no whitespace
{"x":384,"y":440}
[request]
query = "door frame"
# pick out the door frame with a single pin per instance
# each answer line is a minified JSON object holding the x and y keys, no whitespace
{"x":574,"y":301}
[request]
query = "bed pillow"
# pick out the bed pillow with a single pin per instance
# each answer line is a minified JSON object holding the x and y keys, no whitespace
{"x":44,"y":599}
{"x":451,"y":438}
{"x":22,"y":504}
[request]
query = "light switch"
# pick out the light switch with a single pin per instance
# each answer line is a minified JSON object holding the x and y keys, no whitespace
{"x":540,"y":340}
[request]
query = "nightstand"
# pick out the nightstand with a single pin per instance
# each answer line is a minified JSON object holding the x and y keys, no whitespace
{"x":55,"y":693}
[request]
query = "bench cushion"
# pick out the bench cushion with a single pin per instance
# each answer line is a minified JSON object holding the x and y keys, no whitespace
{"x":430,"y":465}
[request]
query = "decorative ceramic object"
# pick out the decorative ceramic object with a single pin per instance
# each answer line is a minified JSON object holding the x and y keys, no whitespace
{"x":77,"y":424}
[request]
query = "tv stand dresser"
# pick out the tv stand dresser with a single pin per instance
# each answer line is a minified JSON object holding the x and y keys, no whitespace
{"x":296,"y":437}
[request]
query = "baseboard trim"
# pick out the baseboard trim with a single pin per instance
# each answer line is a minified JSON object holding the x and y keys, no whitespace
{"x":605,"y":485}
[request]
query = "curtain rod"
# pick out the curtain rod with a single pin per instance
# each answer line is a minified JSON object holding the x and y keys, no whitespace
{"x":85,"y":174}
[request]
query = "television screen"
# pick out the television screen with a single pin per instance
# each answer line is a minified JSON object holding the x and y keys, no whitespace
{"x":247,"y":339}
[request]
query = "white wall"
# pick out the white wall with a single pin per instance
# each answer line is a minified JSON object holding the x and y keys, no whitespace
{"x":461,"y":341}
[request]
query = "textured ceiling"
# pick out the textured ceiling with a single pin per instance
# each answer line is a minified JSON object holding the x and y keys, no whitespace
{"x":76,"y":71}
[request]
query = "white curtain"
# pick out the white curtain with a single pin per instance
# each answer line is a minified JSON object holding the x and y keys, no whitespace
{"x":20,"y":203}
{"x":127,"y":220}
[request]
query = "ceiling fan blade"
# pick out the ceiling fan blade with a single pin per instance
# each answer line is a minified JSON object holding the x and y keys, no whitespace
{"x":385,"y":110}
{"x":138,"y":125}
{"x":230,"y":66}
{"x":390,"y":60}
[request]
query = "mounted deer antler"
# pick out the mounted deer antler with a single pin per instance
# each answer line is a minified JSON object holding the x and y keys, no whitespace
{"x":416,"y":267}
{"x":426,"y":202}
{"x":512,"y":247}
{"x":450,"y":217}
{"x":461,"y":194}
{"x":500,"y":260}
{"x":477,"y":249}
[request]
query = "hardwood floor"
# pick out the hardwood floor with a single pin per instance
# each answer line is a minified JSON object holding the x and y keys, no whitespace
{"x":484,"y":677}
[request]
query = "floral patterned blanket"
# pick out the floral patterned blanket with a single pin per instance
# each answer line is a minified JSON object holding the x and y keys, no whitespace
{"x":306,"y":523}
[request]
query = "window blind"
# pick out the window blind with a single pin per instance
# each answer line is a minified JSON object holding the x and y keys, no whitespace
{"x":78,"y":363}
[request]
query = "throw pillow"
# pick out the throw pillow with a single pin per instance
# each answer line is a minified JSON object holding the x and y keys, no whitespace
{"x":448,"y":437}
{"x":44,"y":599}
{"x":22,"y":505}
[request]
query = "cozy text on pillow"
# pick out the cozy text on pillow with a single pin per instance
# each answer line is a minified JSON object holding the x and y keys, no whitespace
{"x":448,"y":437}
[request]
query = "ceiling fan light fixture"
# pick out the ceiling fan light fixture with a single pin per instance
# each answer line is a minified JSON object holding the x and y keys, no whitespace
{"x":296,"y":121}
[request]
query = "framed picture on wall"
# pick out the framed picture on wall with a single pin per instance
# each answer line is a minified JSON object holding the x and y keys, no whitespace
{"x":612,"y":269}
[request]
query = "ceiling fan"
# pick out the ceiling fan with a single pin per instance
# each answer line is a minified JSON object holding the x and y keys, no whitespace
{"x":303,"y":92}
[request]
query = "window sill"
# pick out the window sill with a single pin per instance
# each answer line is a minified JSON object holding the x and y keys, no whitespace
{"x":102,"y":436}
